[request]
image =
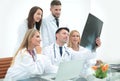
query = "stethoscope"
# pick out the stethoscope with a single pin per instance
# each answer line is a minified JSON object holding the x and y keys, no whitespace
{"x":55,"y":51}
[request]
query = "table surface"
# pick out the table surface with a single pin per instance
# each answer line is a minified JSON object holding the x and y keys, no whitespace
{"x":113,"y":75}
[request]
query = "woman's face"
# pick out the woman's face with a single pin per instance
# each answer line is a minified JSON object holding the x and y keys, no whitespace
{"x":38,"y":15}
{"x":75,"y":38}
{"x":35,"y":40}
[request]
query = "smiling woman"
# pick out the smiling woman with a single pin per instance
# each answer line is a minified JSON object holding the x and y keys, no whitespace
{"x":26,"y":61}
{"x":33,"y":21}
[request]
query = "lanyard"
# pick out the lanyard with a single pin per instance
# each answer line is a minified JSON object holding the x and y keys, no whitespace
{"x":32,"y":54}
{"x":55,"y":51}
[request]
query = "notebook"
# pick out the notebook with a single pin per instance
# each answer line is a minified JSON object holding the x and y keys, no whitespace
{"x":91,"y":31}
{"x":67,"y":71}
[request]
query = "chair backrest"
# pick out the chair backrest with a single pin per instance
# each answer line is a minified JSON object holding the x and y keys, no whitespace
{"x":4,"y":65}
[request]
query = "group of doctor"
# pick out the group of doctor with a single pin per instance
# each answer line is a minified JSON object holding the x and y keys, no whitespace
{"x":26,"y":63}
{"x":66,"y":46}
{"x":71,"y":50}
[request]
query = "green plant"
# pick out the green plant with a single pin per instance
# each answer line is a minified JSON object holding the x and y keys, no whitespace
{"x":100,"y":71}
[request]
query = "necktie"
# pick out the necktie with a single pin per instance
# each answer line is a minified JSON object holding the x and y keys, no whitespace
{"x":57,"y":22}
{"x":60,"y":50}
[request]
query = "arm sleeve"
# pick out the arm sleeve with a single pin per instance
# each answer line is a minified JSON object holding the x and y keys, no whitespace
{"x":47,"y":65}
{"x":32,"y":67}
{"x":91,"y":58}
{"x":21,"y":31}
{"x":47,"y":51}
{"x":44,"y":34}
{"x":49,"y":68}
{"x":20,"y":34}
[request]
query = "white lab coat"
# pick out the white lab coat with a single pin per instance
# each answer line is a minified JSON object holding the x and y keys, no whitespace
{"x":53,"y":53}
{"x":48,"y":29}
{"x":21,"y":33}
{"x":25,"y":67}
{"x":88,"y":57}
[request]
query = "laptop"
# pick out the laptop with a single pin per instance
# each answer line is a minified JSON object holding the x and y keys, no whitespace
{"x":67,"y":71}
{"x":92,"y":30}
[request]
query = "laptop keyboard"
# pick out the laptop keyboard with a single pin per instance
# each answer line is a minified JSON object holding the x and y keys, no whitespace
{"x":53,"y":78}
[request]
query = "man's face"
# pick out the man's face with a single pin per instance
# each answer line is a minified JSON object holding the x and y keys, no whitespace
{"x":56,"y":10}
{"x":63,"y":36}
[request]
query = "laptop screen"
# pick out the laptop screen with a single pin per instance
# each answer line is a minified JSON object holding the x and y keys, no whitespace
{"x":69,"y":70}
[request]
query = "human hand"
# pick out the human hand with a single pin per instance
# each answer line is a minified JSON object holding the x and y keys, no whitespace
{"x":98,"y":42}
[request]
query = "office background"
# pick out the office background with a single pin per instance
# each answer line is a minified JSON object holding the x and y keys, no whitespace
{"x":74,"y":13}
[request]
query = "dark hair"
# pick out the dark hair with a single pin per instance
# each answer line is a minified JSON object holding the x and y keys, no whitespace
{"x":62,"y":28}
{"x":55,"y":2}
{"x":31,"y":19}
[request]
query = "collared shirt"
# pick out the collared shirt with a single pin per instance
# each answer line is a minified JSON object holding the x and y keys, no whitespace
{"x":48,"y":29}
{"x":53,"y":52}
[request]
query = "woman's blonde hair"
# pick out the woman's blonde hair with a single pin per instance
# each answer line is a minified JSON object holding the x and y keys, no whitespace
{"x":27,"y":38}
{"x":70,"y":36}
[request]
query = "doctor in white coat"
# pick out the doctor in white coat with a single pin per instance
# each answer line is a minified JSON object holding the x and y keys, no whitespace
{"x":26,"y":63}
{"x":33,"y":20}
{"x":54,"y":50}
{"x":50,"y":25}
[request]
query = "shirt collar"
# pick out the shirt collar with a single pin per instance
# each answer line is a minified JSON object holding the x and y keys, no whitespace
{"x":58,"y":45}
{"x":52,"y":18}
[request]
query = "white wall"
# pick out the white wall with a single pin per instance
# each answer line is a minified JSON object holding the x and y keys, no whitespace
{"x":108,"y":11}
{"x":74,"y":12}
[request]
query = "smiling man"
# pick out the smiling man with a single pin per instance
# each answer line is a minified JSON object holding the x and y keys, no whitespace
{"x":51,"y":23}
